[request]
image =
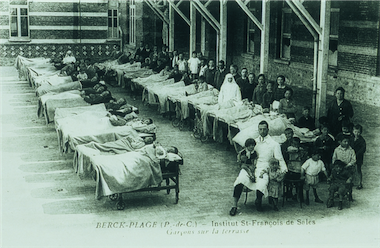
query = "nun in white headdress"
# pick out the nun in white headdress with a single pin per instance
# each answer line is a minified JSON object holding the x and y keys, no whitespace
{"x":69,"y":58}
{"x":229,"y":91}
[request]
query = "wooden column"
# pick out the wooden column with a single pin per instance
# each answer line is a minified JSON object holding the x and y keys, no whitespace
{"x":171,"y":28}
{"x":222,"y":36}
{"x":193,"y":28}
{"x":203,"y":35}
{"x":323,"y":59}
{"x":264,"y":50}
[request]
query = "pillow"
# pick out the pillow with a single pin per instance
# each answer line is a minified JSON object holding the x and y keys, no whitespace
{"x":173,"y":157}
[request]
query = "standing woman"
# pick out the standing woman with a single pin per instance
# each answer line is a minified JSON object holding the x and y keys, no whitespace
{"x":259,"y":91}
{"x":338,"y":111}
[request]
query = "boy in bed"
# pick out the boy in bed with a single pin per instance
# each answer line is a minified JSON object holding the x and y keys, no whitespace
{"x":120,"y":107}
{"x":103,"y":97}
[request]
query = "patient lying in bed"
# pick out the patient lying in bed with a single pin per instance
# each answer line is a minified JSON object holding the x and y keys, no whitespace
{"x":138,"y":124}
{"x":130,"y":171}
{"x":83,"y":153}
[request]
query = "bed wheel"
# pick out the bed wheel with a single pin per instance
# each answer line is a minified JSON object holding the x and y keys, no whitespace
{"x":113,"y":197}
{"x":204,"y":138}
{"x":120,"y":205}
{"x":181,"y":125}
{"x":197,"y":135}
{"x":175,"y":122}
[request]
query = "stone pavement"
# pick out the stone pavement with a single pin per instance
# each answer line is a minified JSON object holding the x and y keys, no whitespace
{"x":45,"y":204}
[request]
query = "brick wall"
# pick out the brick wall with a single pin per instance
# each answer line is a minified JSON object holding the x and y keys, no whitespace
{"x":92,"y":51}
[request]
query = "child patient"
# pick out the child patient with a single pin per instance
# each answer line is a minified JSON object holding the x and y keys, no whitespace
{"x":340,"y":180}
{"x":310,"y":171}
{"x":246,"y":177}
{"x":275,"y":178}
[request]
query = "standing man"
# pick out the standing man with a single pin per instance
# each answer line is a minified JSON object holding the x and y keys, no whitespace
{"x":266,"y":148}
{"x":210,"y":72}
{"x":220,"y":74}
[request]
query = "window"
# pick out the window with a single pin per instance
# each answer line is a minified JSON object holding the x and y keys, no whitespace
{"x":334,"y":31}
{"x":113,"y":23}
{"x":286,"y":34}
{"x":132,"y":23}
{"x":250,"y":37}
{"x":251,"y":29}
{"x":19,"y":21}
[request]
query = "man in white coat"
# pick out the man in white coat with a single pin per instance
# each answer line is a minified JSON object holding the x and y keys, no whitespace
{"x":266,"y":148}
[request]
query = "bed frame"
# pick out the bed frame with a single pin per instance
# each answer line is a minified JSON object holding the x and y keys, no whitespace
{"x":170,"y":174}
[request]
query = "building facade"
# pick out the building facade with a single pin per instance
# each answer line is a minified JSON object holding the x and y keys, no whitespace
{"x":218,"y":29}
{"x":40,"y":28}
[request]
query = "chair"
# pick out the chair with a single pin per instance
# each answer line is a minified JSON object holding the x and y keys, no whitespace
{"x":289,"y":183}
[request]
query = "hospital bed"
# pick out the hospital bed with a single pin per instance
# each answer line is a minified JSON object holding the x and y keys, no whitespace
{"x":119,"y":168}
{"x":48,"y":103}
{"x":90,"y":126}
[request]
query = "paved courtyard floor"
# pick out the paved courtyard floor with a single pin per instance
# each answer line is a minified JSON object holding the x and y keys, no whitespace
{"x":45,"y":204}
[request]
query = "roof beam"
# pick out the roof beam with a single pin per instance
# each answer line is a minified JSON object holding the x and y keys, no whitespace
{"x":179,"y":12}
{"x":303,"y":19}
{"x":207,"y":15}
{"x":308,"y":17}
{"x":246,"y":2}
{"x":208,"y":3}
{"x":157,"y":11}
{"x":178,"y":4}
{"x":249,"y":14}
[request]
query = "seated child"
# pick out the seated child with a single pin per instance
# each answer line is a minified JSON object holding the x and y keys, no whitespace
{"x":340,"y":181}
{"x":175,"y":74}
{"x":246,"y":158}
{"x":346,"y":130}
{"x":310,"y":170}
{"x":201,"y":84}
{"x":359,"y":148}
{"x":166,"y":71}
{"x":296,"y":157}
{"x":82,"y":75}
{"x":246,"y":177}
{"x":325,"y":144}
{"x":275,"y":178}
{"x":284,"y":146}
{"x":306,"y":120}
{"x":344,"y":152}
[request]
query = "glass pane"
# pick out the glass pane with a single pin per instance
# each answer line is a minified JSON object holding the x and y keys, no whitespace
{"x":24,"y":26}
{"x":14,"y":26}
{"x":334,"y":24}
{"x":115,"y":22}
{"x":109,"y":13}
{"x":286,"y":23}
{"x":251,"y":42}
{"x":286,"y":48}
{"x":13,"y":11}
{"x":24,"y":11}
{"x":115,"y":13}
{"x":109,"y":22}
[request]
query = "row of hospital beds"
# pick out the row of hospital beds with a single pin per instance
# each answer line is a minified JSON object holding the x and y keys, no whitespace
{"x":118,"y":158}
{"x":201,"y":113}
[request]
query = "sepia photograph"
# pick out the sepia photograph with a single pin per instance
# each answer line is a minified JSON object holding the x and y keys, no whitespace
{"x":190,"y":123}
